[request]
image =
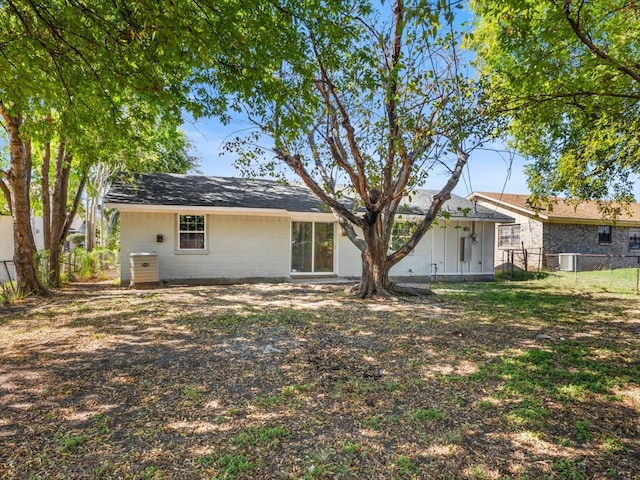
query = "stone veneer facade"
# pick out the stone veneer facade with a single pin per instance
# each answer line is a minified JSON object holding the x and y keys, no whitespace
{"x":576,"y":238}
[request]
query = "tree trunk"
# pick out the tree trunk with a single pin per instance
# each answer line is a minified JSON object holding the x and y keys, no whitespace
{"x":58,"y":214}
{"x":375,"y":276}
{"x":45,"y":192}
{"x":375,"y":268}
{"x":61,"y":219}
{"x":46,"y":196}
{"x":90,"y":224}
{"x":19,"y":179}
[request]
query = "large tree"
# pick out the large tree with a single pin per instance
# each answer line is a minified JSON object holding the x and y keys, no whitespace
{"x":565,"y":75}
{"x":73,"y":164}
{"x":373,"y":101}
{"x":71,"y":75}
{"x":100,"y":65}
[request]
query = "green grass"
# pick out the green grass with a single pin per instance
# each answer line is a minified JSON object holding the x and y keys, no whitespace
{"x":407,"y":467}
{"x":423,"y":415}
{"x":568,"y":469}
{"x":228,"y":466}
{"x":618,"y":280}
{"x":582,"y":431}
{"x":71,"y":443}
{"x":253,"y":436}
{"x":563,"y":371}
{"x":290,"y":395}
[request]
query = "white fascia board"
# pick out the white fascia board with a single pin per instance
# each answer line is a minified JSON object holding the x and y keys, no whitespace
{"x":456,"y":218}
{"x":489,"y":219}
{"x":261,"y":212}
{"x":312,"y":217}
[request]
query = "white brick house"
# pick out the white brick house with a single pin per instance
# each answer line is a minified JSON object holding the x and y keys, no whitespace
{"x":229,"y":230}
{"x":7,"y":269}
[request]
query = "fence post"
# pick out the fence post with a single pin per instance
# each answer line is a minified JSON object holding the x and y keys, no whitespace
{"x":638,"y":277}
{"x":512,"y":264}
{"x":10,"y":282}
{"x":575,"y":268}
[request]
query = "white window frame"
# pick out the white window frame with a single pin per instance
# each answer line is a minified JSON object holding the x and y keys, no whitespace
{"x":179,"y":246}
{"x":514,"y":242}
{"x":313,"y":248}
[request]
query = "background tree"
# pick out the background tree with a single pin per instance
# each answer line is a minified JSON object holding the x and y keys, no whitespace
{"x":160,"y":148}
{"x":98,"y":65}
{"x":565,"y":75}
{"x":89,"y":68}
{"x":372,"y":103}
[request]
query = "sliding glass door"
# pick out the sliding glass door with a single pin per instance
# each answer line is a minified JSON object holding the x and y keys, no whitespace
{"x":312,"y":247}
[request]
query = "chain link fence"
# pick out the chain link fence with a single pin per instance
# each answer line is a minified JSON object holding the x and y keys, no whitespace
{"x":75,"y":264}
{"x":620,"y":273}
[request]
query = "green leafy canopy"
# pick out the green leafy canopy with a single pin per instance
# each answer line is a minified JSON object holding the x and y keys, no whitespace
{"x":565,"y":74}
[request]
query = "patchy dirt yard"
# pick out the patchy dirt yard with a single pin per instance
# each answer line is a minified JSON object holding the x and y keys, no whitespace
{"x":289,"y":381}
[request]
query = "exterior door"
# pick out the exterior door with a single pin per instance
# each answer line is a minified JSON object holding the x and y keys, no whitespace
{"x":312,"y":246}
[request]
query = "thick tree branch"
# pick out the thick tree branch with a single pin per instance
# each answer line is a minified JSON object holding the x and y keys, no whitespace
{"x":596,"y":50}
{"x":297,"y":165}
{"x":395,"y":142}
{"x":437,"y":202}
{"x":358,"y":179}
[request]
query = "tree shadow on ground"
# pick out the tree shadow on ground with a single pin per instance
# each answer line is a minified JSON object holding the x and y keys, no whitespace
{"x":300,"y":382}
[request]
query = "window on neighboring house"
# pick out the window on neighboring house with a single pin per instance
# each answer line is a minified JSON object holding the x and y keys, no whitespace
{"x":401,"y":233}
{"x":191,"y":232}
{"x":634,"y":238}
{"x":509,"y":235}
{"x":604,"y":234}
{"x":312,"y":247}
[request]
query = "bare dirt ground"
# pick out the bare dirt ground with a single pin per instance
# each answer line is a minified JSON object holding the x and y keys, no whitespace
{"x":302,"y":381}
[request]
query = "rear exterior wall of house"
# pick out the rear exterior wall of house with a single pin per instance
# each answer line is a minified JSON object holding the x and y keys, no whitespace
{"x":259,"y":248}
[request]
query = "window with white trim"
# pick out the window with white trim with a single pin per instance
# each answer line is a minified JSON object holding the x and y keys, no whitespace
{"x":634,"y":238}
{"x":191,"y":232}
{"x":401,"y":233}
{"x":509,"y":235}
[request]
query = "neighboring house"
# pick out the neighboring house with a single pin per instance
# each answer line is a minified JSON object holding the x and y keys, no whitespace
{"x":6,"y":243}
{"x":225,"y":230}
{"x":563,"y":228}
{"x":7,"y":271}
{"x":6,"y":237}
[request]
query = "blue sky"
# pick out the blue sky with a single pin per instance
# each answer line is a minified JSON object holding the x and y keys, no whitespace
{"x":488,"y":170}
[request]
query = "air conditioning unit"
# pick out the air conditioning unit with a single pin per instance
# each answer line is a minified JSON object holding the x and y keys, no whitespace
{"x":144,"y":268}
{"x":567,"y":262}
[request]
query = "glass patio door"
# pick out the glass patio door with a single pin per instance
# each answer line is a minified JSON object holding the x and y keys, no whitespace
{"x":312,"y":247}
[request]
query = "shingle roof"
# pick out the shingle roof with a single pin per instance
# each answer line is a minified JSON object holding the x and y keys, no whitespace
{"x":560,"y":208}
{"x":201,"y":191}
{"x":457,"y":206}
